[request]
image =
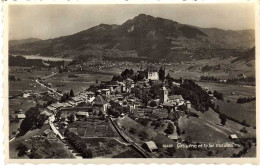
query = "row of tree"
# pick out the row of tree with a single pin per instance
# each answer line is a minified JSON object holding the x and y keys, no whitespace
{"x":243,"y":100}
{"x":209,"y":68}
{"x":209,"y":78}
{"x":78,"y":144}
{"x":247,"y":79}
{"x":231,"y":80}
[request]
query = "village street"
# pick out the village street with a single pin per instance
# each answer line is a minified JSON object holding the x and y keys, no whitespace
{"x":54,"y":129}
{"x":51,"y":89}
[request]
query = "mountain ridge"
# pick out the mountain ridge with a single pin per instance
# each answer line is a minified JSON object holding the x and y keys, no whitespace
{"x":143,"y":36}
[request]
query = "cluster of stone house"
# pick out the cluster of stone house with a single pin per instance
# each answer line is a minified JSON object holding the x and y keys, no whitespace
{"x":73,"y":104}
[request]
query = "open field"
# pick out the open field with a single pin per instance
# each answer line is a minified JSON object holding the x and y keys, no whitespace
{"x":63,"y":82}
{"x":27,"y":80}
{"x":214,"y":132}
{"x":84,"y":79}
{"x":227,"y":89}
{"x":241,"y":112}
{"x":192,"y":70}
{"x":92,"y":129}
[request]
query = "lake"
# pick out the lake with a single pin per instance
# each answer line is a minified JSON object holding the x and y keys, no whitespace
{"x":45,"y":58}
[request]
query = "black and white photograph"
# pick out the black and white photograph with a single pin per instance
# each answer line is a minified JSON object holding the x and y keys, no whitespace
{"x":131,"y":81}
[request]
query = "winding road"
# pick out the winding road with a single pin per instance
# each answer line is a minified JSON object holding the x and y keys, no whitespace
{"x":129,"y":142}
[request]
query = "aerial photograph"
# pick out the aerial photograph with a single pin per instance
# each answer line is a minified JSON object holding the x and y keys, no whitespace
{"x":131,"y":81}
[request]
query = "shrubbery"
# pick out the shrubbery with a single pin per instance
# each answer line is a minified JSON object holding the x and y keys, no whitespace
{"x":210,"y":79}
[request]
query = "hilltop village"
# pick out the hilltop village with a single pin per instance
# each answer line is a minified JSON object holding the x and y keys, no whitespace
{"x":143,"y":113}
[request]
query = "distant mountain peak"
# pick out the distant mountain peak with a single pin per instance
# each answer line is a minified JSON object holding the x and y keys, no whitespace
{"x":143,"y":16}
{"x":145,"y":36}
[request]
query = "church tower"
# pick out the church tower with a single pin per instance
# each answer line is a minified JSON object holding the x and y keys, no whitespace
{"x":164,"y":94}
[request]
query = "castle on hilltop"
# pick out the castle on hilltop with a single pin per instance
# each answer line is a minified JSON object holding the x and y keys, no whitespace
{"x":152,"y":73}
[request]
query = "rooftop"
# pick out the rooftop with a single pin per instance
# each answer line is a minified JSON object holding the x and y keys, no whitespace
{"x":77,"y":98}
{"x":89,"y":93}
{"x":99,"y":100}
{"x":47,"y":131}
{"x":151,"y":145}
{"x":233,"y":136}
{"x":51,"y":108}
{"x":175,"y":97}
{"x":20,"y":115}
{"x":81,"y":113}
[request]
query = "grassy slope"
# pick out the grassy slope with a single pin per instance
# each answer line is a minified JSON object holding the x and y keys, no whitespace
{"x":207,"y":129}
{"x":239,"y":111}
{"x":214,"y":131}
{"x":159,"y":139}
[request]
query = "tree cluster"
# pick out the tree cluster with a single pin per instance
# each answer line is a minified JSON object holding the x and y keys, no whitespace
{"x":157,"y":123}
{"x":14,"y":78}
{"x":127,"y":73}
{"x":67,"y":96}
{"x":178,"y":129}
{"x":21,"y":148}
{"x":155,"y":91}
{"x":194,"y":93}
{"x":243,"y":130}
{"x":78,"y":144}
{"x":170,"y":128}
{"x":209,"y":68}
{"x":116,"y":109}
{"x":209,"y":78}
{"x":218,"y":95}
{"x":32,"y":120}
{"x":23,"y":62}
{"x":143,"y":135}
{"x":161,"y":74}
{"x":246,"y":143}
{"x":243,"y":100}
{"x":247,"y":79}
{"x":223,"y":119}
{"x":170,"y":79}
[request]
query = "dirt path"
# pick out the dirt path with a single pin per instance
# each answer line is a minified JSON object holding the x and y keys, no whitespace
{"x":48,"y":87}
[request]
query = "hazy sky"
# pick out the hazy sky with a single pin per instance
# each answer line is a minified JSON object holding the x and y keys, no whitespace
{"x":50,"y":21}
